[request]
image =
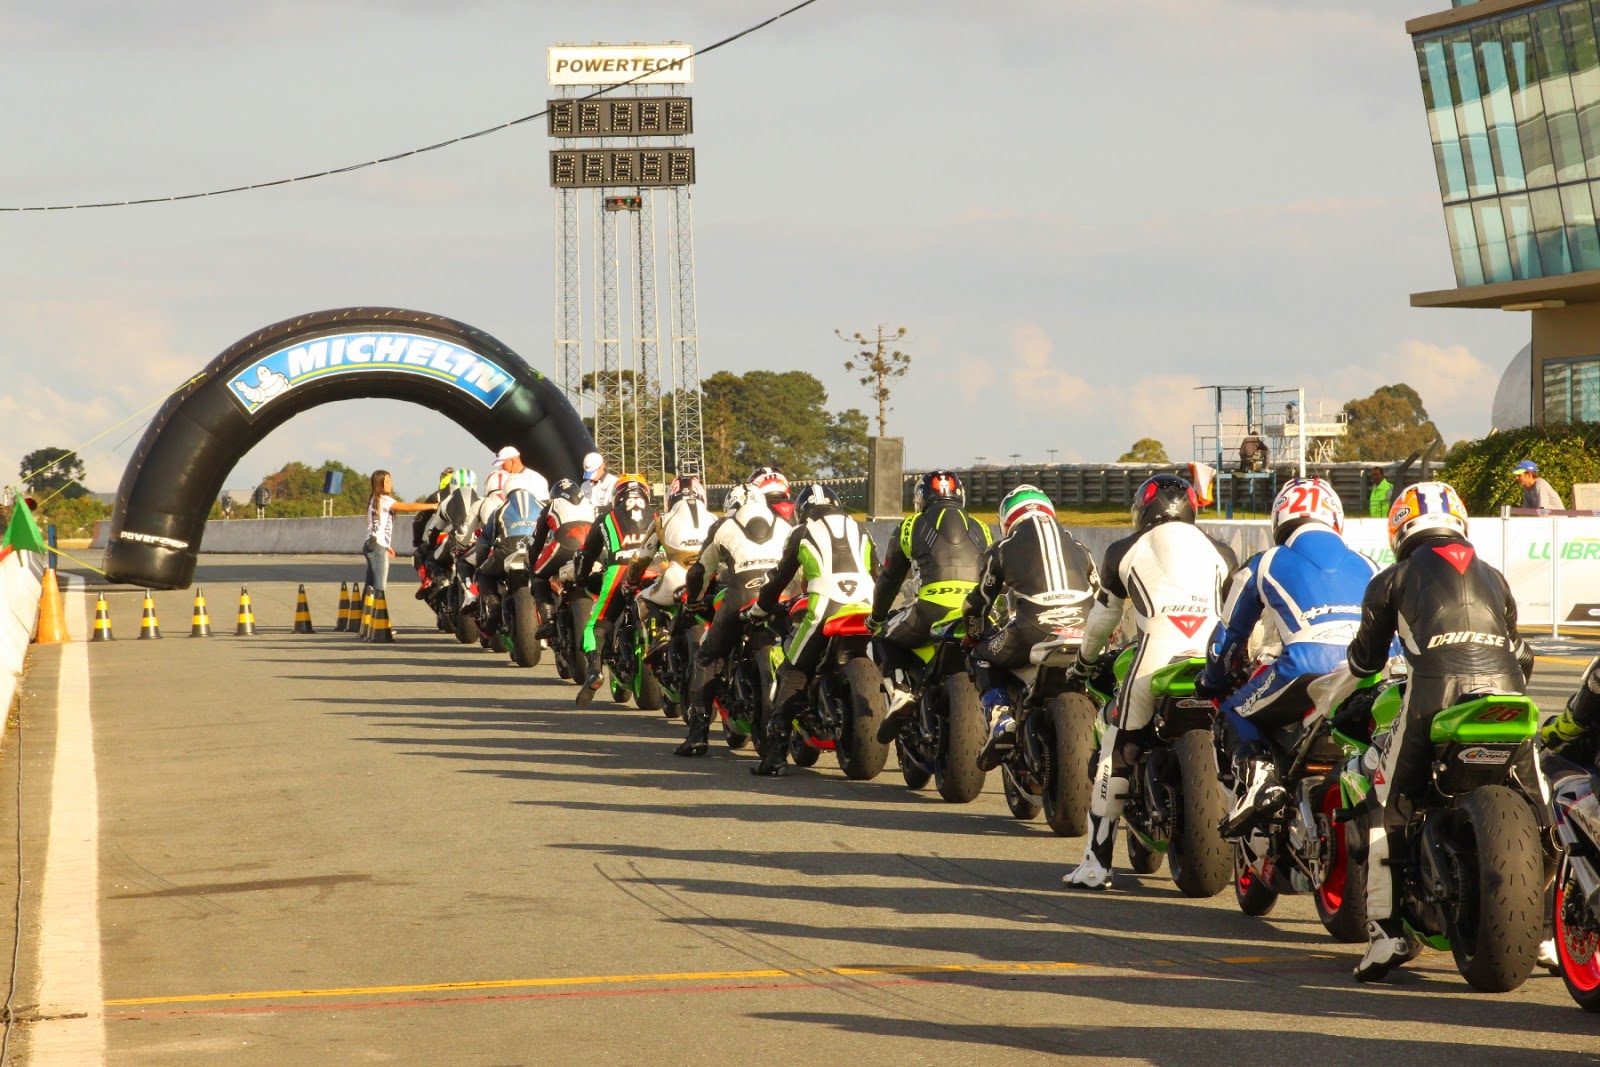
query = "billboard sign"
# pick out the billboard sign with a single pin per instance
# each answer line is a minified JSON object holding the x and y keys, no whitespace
{"x":614,"y":64}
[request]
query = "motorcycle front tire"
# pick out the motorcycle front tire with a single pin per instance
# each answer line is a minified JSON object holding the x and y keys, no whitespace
{"x":1255,"y":897}
{"x":466,"y":628}
{"x":1341,"y":899}
{"x":525,"y":651}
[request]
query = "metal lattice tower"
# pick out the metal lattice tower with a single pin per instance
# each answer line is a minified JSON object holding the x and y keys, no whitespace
{"x":609,"y":429}
{"x":687,"y":433}
{"x":649,"y":455}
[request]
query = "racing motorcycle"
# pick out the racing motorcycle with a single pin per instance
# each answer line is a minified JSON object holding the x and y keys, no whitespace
{"x":943,"y":736}
{"x":845,"y":704}
{"x":749,"y":680}
{"x":675,"y":637}
{"x":1478,"y":865}
{"x":573,"y":605}
{"x":1049,"y":767}
{"x":632,"y":638}
{"x":506,"y":613}
{"x":1175,"y":803}
{"x":446,"y":591}
{"x":1576,"y":809}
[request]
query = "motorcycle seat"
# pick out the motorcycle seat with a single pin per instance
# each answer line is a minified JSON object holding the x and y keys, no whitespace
{"x":1053,"y":652}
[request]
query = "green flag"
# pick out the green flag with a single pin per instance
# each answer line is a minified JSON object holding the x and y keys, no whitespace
{"x":23,"y":533}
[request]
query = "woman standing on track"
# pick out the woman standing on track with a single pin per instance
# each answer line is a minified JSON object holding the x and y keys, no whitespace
{"x":379,"y":549}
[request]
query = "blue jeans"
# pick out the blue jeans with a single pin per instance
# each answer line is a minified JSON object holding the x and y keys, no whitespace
{"x":378,"y":568}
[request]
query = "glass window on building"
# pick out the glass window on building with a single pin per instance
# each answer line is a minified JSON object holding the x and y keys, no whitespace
{"x":1572,"y":390}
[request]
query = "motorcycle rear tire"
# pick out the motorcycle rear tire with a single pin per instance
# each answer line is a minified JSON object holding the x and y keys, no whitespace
{"x":1198,"y":857}
{"x":1576,"y":949}
{"x":863,"y":758}
{"x":1256,"y":898}
{"x":960,"y":779}
{"x":1498,"y":945}
{"x":525,"y":650}
{"x":1341,"y":899}
{"x":1069,"y":784}
{"x":916,"y":777}
{"x":734,"y":738}
{"x":466,"y":628}
{"x":441,"y":619}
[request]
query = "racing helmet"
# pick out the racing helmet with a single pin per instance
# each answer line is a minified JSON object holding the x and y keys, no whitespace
{"x":1422,"y":509}
{"x":685,"y":486}
{"x":495,"y":484}
{"x":816,"y":499}
{"x":938,"y":486}
{"x":520,"y":515}
{"x":1022,"y":501}
{"x":634,"y":485}
{"x":446,"y":477}
{"x":568,"y":490}
{"x":737,"y":498}
{"x":1163,"y":498}
{"x":463,"y":477}
{"x":769,"y":482}
{"x":1304,"y":500}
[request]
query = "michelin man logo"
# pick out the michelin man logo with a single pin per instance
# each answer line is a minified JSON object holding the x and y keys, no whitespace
{"x":273,"y":376}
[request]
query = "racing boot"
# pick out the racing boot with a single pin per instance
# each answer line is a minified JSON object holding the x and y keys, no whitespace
{"x":699,"y":739}
{"x":1547,"y":956}
{"x":776,"y":759}
{"x":901,"y":707}
{"x":1388,"y":947}
{"x":1002,"y":729}
{"x":1095,"y":870}
{"x":1261,"y":795}
{"x":597,"y":671}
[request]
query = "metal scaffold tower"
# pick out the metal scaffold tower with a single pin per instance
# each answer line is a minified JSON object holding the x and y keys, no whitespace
{"x":623,"y":147}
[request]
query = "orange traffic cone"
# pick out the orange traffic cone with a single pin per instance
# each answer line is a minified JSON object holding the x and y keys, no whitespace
{"x":302,"y":615}
{"x":52,"y":613}
{"x":201,"y":627}
{"x":247,"y":615}
{"x":381,"y":634}
{"x":149,"y":628}
{"x":342,"y":625}
{"x":102,"y":621}
{"x":366,"y":613}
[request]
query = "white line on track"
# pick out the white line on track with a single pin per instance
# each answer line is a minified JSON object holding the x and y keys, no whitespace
{"x":71,"y":1028}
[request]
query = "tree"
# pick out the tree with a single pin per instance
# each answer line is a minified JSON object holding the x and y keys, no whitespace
{"x":1145,"y":450}
{"x":1387,"y":426}
{"x":53,"y":471}
{"x":779,"y":419}
{"x":847,"y":445}
{"x":877,"y":366}
{"x":1482,"y":471}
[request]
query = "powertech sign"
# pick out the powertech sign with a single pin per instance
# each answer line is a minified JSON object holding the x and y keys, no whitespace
{"x":614,"y":64}
{"x":273,"y":376}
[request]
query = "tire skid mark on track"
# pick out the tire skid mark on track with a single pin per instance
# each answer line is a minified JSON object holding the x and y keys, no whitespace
{"x":873,"y":995}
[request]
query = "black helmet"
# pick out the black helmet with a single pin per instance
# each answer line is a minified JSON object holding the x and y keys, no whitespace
{"x":568,"y":490}
{"x":816,"y":499}
{"x":938,"y":486}
{"x":1164,"y":498}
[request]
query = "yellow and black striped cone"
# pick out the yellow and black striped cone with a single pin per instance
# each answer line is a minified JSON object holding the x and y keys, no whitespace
{"x":102,"y":622}
{"x":355,"y":606}
{"x":366,"y":613}
{"x":302,"y":614}
{"x":381,"y":634}
{"x":149,"y":628}
{"x":247,"y":615}
{"x":201,"y":627}
{"x":342,"y":623}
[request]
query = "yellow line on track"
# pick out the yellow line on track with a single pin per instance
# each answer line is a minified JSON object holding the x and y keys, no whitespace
{"x":605,"y":979}
{"x":1575,"y":660}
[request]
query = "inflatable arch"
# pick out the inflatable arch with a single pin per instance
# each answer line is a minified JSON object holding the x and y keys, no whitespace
{"x":264,"y":380}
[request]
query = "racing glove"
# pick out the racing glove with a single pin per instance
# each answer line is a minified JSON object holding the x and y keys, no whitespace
{"x":1559,"y":731}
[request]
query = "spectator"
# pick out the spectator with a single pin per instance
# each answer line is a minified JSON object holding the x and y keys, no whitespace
{"x":381,"y":510}
{"x":521,"y":476}
{"x":597,"y":483}
{"x":1253,"y":453}
{"x":1382,"y":494}
{"x":1536,"y":492}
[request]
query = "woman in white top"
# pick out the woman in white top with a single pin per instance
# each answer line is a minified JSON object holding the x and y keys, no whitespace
{"x":379,"y":549}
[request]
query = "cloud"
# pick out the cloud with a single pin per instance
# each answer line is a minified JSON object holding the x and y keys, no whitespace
{"x":1457,"y":388}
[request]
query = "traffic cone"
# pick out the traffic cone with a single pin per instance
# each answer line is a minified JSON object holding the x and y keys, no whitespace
{"x":52,"y":613}
{"x":353,"y":623}
{"x":149,"y":628}
{"x":302,"y":614}
{"x":102,"y":621}
{"x":342,"y":624}
{"x":247,"y":615}
{"x":381,"y":634}
{"x":202,"y":618}
{"x":366,"y":613}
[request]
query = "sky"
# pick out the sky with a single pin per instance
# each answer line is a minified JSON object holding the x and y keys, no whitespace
{"x":1079,"y":211}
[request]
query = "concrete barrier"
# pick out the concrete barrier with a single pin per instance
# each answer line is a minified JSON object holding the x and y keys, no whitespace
{"x":19,"y":595}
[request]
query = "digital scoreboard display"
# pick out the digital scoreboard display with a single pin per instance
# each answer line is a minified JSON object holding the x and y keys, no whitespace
{"x":634,"y":116}
{"x":607,"y":168}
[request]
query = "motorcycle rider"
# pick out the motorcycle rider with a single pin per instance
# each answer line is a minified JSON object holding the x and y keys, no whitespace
{"x":616,"y":544}
{"x":1438,"y":587}
{"x":1308,"y":589}
{"x":1174,"y":575}
{"x":427,"y":526}
{"x":562,"y":531}
{"x":1575,"y":733}
{"x":741,"y":549}
{"x":945,"y":545}
{"x":835,"y":555}
{"x":1049,"y":580}
{"x":677,"y":538}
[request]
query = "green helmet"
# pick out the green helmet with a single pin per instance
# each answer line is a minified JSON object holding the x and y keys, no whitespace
{"x":1022,"y":501}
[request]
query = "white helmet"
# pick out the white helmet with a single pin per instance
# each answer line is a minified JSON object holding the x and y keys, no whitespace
{"x":495,"y":484}
{"x":1304,"y":500}
{"x":737,"y":497}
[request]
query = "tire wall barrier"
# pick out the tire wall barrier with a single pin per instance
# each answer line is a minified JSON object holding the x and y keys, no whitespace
{"x":262,"y":381}
{"x":19,"y":592}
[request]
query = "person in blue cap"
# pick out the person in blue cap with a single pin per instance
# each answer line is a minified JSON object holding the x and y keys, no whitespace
{"x":1536,"y":492}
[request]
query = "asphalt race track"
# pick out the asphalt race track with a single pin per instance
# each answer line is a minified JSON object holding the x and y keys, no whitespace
{"x":316,"y":851}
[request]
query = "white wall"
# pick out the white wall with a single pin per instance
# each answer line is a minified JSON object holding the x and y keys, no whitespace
{"x":19,"y":610}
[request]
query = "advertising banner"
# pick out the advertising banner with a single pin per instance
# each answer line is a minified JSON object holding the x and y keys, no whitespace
{"x":613,"y":64}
